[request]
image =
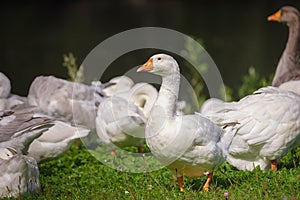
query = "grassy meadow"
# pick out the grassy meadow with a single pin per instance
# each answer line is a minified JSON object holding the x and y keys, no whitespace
{"x":78,"y":175}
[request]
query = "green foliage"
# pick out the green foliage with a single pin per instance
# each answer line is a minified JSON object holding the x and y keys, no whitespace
{"x":75,"y":73}
{"x":251,"y":82}
{"x":192,"y":52}
{"x":196,"y":67}
{"x":227,"y":93}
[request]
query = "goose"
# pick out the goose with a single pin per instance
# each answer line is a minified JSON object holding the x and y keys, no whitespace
{"x":49,"y":138}
{"x":248,"y":155}
{"x":121,"y":118}
{"x":5,"y":86}
{"x":19,"y":127}
{"x":69,"y":101}
{"x":118,"y":84}
{"x":19,"y":174}
{"x":292,"y":86}
{"x":188,"y":145}
{"x":211,"y":105}
{"x":268,"y":126}
{"x":288,"y":68}
{"x":8,"y":100}
{"x":55,"y":141}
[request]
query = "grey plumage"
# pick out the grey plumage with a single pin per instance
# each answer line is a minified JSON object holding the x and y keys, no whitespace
{"x":19,"y":174}
{"x":19,"y":127}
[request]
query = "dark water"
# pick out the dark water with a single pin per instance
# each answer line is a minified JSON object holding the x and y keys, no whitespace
{"x":34,"y":36}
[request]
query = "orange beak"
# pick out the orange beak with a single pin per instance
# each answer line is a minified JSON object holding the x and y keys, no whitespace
{"x":275,"y":17}
{"x":148,"y":66}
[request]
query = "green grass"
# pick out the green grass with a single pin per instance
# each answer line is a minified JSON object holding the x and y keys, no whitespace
{"x":78,"y":175}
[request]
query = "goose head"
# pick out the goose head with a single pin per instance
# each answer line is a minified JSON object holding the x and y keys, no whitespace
{"x":160,"y":64}
{"x":286,"y":14}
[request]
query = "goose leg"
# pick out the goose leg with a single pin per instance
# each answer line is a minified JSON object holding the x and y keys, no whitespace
{"x":274,"y":165}
{"x":112,"y":152}
{"x":180,"y":182}
{"x":207,"y":183}
{"x":140,"y":149}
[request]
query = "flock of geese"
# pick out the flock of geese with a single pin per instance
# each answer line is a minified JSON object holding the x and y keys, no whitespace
{"x":254,"y":131}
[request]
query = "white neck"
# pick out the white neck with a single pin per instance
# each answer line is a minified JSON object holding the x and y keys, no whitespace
{"x":168,"y":94}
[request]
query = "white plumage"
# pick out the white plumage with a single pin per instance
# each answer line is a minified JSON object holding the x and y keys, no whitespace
{"x":19,"y":127}
{"x":74,"y":102}
{"x":48,"y":138}
{"x":19,"y":174}
{"x":8,"y":100}
{"x":121,"y":118}
{"x":119,"y":84}
{"x":5,"y":86}
{"x":55,"y":141}
{"x":188,"y":145}
{"x":292,"y":86}
{"x":268,"y":127}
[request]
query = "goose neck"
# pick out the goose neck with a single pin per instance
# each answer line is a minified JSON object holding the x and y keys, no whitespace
{"x":168,"y":94}
{"x":293,"y":40}
{"x":289,"y":60}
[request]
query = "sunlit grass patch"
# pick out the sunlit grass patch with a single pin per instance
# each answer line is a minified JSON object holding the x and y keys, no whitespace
{"x":78,"y":175}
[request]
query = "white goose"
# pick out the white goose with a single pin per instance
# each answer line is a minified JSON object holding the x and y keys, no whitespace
{"x":268,"y":127}
{"x":8,"y":100}
{"x":19,"y":127}
{"x":121,"y":118}
{"x":74,"y":102}
{"x":19,"y":174}
{"x":5,"y":86}
{"x":48,"y":138}
{"x":293,"y":86}
{"x":55,"y":141}
{"x":119,"y":84}
{"x":211,"y":105}
{"x":189,"y":145}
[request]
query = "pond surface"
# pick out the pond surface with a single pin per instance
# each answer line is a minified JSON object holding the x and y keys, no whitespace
{"x":237,"y":35}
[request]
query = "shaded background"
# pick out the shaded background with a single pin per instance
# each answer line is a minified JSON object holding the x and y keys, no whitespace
{"x":237,"y":35}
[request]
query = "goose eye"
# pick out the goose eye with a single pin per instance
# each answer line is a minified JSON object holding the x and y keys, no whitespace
{"x":159,"y":58}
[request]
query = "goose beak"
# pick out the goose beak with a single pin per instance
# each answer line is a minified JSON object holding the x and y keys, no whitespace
{"x":148,"y":66}
{"x":275,"y":17}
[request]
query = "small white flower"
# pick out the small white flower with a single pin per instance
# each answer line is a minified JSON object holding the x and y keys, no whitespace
{"x":150,"y":187}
